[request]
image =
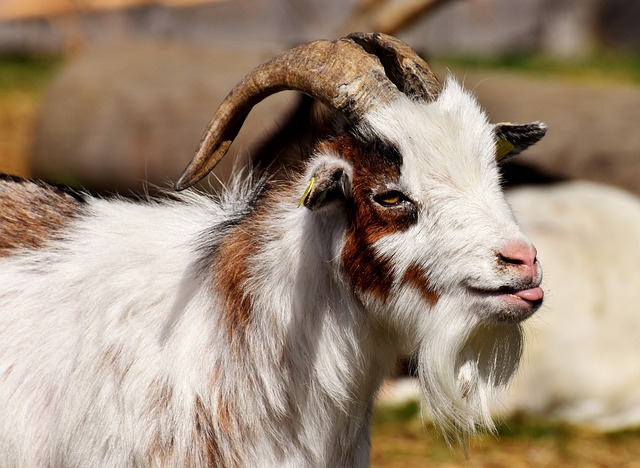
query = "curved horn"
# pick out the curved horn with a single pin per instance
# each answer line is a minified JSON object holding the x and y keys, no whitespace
{"x":404,"y":67}
{"x":339,"y":73}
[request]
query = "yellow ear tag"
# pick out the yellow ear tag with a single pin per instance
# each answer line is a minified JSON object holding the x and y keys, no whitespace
{"x":307,"y":191}
{"x":503,"y":148}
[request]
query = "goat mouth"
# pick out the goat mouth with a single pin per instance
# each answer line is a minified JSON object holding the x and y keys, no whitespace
{"x":512,"y":304}
{"x":529,"y":294}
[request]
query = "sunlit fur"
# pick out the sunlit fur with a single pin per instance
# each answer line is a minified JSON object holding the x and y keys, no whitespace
{"x":119,"y":347}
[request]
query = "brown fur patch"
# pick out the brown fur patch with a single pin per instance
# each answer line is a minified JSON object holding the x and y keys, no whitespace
{"x":368,"y":272}
{"x":204,"y":438}
{"x":162,"y":445}
{"x":112,"y":361}
{"x":373,"y":169}
{"x":230,"y":265}
{"x":162,"y":395}
{"x":224,"y":412}
{"x":231,"y":276}
{"x":416,"y":277}
{"x":33,"y":214}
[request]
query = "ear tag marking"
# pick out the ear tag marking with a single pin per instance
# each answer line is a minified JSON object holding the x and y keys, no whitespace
{"x":307,"y":191}
{"x":503,"y":148}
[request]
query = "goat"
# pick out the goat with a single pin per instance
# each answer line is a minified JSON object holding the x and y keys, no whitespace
{"x":255,"y":328}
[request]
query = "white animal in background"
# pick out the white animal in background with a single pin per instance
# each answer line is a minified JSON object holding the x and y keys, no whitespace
{"x":255,"y":330}
{"x":581,"y":360}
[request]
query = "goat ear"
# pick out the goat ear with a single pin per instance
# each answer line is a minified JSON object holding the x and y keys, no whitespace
{"x":512,"y":139}
{"x":329,"y":183}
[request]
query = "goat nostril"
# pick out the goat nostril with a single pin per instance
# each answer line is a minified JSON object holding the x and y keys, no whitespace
{"x":511,"y":261}
{"x":518,"y":253}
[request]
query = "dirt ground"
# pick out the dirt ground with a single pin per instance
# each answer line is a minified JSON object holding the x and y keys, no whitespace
{"x":401,"y":440}
{"x":405,"y":448}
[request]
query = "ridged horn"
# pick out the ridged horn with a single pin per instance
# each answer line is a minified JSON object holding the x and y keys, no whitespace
{"x":338,"y":73}
{"x":404,"y":67}
{"x":354,"y":75}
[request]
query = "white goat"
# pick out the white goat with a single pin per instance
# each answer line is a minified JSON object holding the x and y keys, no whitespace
{"x":250,"y":331}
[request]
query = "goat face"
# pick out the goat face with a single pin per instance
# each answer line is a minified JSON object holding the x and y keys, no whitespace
{"x":430,"y":246}
{"x":419,"y":188}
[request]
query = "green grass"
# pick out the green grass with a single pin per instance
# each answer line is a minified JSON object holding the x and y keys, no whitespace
{"x":23,"y":79}
{"x":533,"y":429}
{"x":26,"y":72}
{"x":602,"y":66}
{"x":396,"y":414}
{"x":516,"y":427}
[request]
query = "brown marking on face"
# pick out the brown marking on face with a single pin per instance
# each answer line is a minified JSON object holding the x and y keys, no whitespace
{"x":368,"y":272}
{"x":416,"y":277}
{"x":375,"y":166}
{"x":33,"y":214}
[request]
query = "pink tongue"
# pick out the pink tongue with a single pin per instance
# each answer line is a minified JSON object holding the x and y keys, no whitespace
{"x":534,"y":294}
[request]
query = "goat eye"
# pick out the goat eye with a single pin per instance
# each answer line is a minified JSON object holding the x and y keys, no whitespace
{"x":390,"y":198}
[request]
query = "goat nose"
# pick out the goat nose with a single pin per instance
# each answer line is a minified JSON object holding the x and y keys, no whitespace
{"x":519,"y":253}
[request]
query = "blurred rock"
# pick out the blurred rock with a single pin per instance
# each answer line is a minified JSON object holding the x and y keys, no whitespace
{"x":119,"y":117}
{"x":115,"y":118}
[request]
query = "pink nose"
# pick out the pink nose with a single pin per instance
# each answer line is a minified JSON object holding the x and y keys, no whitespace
{"x":519,"y":254}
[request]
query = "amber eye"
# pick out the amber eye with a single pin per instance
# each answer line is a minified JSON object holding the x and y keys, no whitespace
{"x":390,"y":198}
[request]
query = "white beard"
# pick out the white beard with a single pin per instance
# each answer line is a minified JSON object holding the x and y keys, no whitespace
{"x":462,"y":366}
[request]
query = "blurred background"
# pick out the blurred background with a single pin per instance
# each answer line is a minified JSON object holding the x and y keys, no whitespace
{"x":113,"y":95}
